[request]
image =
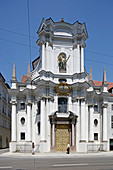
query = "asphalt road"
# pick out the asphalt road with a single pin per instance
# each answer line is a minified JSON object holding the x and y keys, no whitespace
{"x":87,"y":163}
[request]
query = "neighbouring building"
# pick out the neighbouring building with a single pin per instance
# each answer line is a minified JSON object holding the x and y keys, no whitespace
{"x":58,"y":103}
{"x":5,"y":114}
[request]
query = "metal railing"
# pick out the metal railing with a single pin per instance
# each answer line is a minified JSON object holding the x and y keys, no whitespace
{"x":26,"y":148}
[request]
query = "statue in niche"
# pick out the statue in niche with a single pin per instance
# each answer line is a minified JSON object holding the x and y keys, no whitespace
{"x":62,"y":62}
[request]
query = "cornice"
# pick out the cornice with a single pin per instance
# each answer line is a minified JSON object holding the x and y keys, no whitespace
{"x":62,"y":75}
{"x":44,"y":97}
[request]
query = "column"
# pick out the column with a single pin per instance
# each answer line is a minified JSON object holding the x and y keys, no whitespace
{"x":43,"y":56}
{"x":56,"y":103}
{"x":74,"y":60}
{"x":83,"y":121}
{"x":91,"y":133}
{"x":104,"y":122}
{"x":69,"y":104}
{"x":82,"y":59}
{"x":73,"y":134}
{"x":47,"y":56}
{"x":48,"y":64}
{"x":42,"y":122}
{"x":53,"y":134}
{"x":29,"y":122}
{"x":70,"y":142}
{"x":78,"y":59}
{"x":52,"y":60}
{"x":14,"y":123}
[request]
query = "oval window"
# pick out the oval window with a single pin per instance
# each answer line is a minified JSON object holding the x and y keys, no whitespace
{"x":22,"y":120}
{"x":95,"y":122}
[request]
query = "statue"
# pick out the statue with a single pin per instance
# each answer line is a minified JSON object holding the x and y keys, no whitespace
{"x":62,"y":62}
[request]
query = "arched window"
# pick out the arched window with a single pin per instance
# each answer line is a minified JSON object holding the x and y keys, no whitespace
{"x":62,"y":62}
{"x":0,"y":142}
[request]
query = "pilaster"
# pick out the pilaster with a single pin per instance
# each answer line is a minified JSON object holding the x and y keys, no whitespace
{"x":83,"y":120}
{"x":82,"y":59}
{"x":43,"y":55}
{"x":78,"y":58}
{"x":29,"y":120}
{"x":14,"y":122}
{"x":42,"y":121}
{"x":104,"y":129}
{"x":91,"y":133}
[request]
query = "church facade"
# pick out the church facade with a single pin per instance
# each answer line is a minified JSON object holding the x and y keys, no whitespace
{"x":58,"y":103}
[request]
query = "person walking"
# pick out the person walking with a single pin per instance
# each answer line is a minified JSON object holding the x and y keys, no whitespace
{"x":68,"y":149}
{"x":33,"y":148}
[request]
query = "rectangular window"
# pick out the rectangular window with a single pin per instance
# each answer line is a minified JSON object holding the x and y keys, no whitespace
{"x":38,"y":110}
{"x":9,"y":113}
{"x":96,"y":108}
{"x":4,"y":123}
{"x":112,"y":107}
{"x":4,"y":94}
{"x":9,"y":100}
{"x":62,"y":105}
{"x":4,"y":109}
{"x":95,"y":136}
{"x":22,"y":106}
{"x":112,"y":122}
{"x":22,"y":135}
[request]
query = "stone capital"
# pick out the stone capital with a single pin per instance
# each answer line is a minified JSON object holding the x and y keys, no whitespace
{"x":83,"y":45}
{"x":90,"y":104}
{"x":73,"y":122}
{"x":104,"y":105}
{"x":14,"y":102}
{"x":28,"y":102}
{"x":42,"y":42}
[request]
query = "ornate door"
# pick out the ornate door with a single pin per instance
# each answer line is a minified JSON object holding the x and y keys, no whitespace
{"x":62,"y":137}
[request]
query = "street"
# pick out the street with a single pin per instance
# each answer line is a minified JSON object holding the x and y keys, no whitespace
{"x":66,"y":163}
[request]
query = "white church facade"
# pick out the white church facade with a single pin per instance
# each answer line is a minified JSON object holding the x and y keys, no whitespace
{"x":58,"y":103}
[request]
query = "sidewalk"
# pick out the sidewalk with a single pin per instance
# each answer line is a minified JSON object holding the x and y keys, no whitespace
{"x":4,"y":150}
{"x":54,"y":155}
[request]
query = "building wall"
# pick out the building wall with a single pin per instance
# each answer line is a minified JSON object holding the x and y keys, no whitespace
{"x":5,"y":113}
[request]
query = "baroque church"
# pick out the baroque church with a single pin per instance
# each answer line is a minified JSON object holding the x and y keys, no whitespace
{"x":58,"y":103}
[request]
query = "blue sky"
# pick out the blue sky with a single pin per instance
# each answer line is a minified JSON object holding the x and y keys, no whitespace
{"x":14,"y":32}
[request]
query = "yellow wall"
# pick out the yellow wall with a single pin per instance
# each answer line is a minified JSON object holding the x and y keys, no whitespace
{"x":4,"y":133}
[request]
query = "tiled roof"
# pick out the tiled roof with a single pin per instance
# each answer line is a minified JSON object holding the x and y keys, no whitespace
{"x":110,"y":85}
{"x":24,"y":78}
{"x":99,"y":83}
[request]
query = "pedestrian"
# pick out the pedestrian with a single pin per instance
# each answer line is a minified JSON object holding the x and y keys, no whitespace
{"x":68,"y":149}
{"x":33,"y":148}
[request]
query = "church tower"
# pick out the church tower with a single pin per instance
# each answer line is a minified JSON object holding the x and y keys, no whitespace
{"x":61,"y":47}
{"x":61,"y":79}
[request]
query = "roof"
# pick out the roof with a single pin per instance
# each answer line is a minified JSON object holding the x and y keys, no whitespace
{"x":35,"y":62}
{"x":24,"y":78}
{"x":99,"y":83}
